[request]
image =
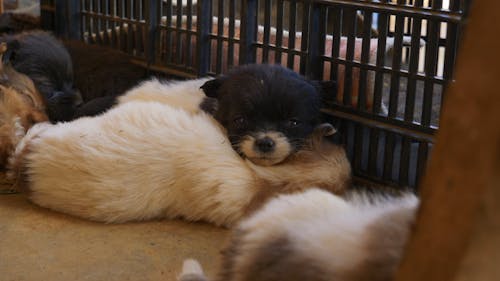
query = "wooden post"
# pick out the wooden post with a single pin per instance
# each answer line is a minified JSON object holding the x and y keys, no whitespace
{"x":466,"y":157}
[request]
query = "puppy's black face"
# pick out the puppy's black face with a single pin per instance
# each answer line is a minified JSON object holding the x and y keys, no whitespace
{"x":44,"y":59}
{"x":268,"y":111}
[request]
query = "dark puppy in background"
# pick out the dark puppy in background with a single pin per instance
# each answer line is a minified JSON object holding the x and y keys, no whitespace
{"x":163,"y":122}
{"x":267,"y":110}
{"x":43,"y":58}
{"x":101,"y":74}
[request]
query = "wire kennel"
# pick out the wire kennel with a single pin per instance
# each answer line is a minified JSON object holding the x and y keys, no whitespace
{"x":392,"y":59}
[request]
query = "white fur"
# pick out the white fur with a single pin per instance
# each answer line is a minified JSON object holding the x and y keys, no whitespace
{"x":191,"y":269}
{"x":336,"y":235}
{"x":181,"y":94}
{"x":147,"y":159}
{"x":344,"y":239}
{"x":115,"y":167}
{"x":323,"y":227}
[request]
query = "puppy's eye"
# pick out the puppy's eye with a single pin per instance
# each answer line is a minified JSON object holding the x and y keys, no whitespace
{"x":239,"y":121}
{"x":293,"y":122}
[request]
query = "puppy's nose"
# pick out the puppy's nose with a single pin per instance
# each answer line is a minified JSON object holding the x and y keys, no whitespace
{"x":265,"y":144}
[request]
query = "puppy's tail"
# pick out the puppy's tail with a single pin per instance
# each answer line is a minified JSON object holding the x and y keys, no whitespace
{"x":192,"y":271}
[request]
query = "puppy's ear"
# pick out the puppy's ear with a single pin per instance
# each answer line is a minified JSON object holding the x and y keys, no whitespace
{"x":327,"y":89}
{"x":209,"y":105}
{"x":325,"y":130}
{"x":320,"y":132}
{"x":10,"y":54}
{"x":212,"y":86}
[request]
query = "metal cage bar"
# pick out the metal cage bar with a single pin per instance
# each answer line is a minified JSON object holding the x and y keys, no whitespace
{"x":390,"y":126}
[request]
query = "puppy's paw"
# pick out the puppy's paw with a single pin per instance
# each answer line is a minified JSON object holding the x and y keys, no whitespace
{"x":13,"y":131}
{"x":16,"y":163}
{"x":19,"y":130}
{"x":32,"y":133}
{"x":191,"y":271}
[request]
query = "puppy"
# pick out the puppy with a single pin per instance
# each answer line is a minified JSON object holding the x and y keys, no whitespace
{"x":317,"y":236}
{"x":158,"y":155}
{"x":267,"y":110}
{"x":21,"y":106}
{"x":44,"y":60}
{"x":93,"y":65}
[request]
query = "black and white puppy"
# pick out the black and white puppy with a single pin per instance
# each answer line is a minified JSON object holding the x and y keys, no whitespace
{"x":317,"y":236}
{"x":41,"y":57}
{"x":267,"y":110}
{"x":186,"y":166}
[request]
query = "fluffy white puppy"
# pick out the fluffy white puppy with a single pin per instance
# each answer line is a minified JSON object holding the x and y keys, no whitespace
{"x":157,"y":155}
{"x":317,"y":236}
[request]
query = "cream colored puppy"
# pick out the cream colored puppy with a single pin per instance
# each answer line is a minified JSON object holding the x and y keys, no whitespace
{"x":185,"y":95}
{"x":317,"y":236}
{"x":157,"y":155}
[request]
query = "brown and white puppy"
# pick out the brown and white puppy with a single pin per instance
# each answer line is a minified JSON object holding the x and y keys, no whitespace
{"x":21,"y":106}
{"x":43,"y":58}
{"x":157,"y":155}
{"x":317,"y":236}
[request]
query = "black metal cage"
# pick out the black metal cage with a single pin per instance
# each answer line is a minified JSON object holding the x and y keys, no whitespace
{"x":392,"y":59}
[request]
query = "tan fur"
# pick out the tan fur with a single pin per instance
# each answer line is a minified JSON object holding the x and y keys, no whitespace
{"x":21,"y":106}
{"x":281,"y":151}
{"x":318,"y":236}
{"x":323,"y":165}
{"x":146,"y":159}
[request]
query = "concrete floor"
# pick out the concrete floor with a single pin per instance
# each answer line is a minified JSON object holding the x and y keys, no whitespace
{"x":38,"y":244}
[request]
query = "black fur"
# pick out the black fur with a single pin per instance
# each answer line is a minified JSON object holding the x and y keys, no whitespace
{"x":102,"y":75}
{"x":14,"y":22}
{"x":263,"y":98}
{"x":209,"y":105}
{"x":101,"y":71}
{"x":44,"y":59}
{"x":96,"y":106}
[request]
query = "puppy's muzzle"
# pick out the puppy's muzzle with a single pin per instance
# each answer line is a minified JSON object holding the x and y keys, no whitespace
{"x":266,"y":148}
{"x":265,"y":144}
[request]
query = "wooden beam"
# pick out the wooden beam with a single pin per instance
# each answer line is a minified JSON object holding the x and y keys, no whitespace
{"x":466,"y":156}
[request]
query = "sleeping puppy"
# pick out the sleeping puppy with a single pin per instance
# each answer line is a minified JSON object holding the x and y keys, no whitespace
{"x":158,"y":155}
{"x":44,"y":60}
{"x":21,"y":106}
{"x":317,"y":236}
{"x":267,"y":110}
{"x":93,"y":64}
